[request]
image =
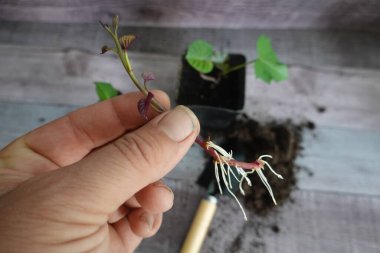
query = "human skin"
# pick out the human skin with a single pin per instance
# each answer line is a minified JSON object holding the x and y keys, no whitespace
{"x":90,"y":181}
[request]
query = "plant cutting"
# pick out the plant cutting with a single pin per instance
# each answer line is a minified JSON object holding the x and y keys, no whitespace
{"x":226,"y":167}
{"x":204,"y":58}
{"x":215,"y":78}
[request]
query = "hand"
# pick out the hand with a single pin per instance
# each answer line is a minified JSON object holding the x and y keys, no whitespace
{"x":88,"y":182}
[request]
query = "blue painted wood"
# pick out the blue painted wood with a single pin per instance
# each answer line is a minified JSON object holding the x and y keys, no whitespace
{"x":19,"y":118}
{"x":341,"y":160}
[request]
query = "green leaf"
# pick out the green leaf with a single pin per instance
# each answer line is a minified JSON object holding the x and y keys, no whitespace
{"x":105,"y":90}
{"x":199,"y":56}
{"x":267,"y":66}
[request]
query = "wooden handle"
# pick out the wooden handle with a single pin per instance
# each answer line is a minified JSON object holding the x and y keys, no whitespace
{"x":200,"y":225}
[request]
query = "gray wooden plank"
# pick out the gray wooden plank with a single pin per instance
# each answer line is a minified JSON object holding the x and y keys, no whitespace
{"x":341,"y":160}
{"x":66,"y":77}
{"x":17,"y":119}
{"x":350,"y":96}
{"x":317,"y":222}
{"x":331,"y":14}
{"x":301,"y":47}
{"x":314,"y":222}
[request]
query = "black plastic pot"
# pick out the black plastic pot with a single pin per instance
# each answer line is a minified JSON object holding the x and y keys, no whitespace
{"x":228,"y":93}
{"x":214,"y":117}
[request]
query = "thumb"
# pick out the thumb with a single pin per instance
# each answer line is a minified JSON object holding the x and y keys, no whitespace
{"x":109,"y":176}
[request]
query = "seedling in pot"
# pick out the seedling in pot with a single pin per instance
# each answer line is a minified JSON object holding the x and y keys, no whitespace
{"x":225,"y":165}
{"x":203,"y":57}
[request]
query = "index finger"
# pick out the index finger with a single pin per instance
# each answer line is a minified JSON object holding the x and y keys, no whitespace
{"x":68,"y":139}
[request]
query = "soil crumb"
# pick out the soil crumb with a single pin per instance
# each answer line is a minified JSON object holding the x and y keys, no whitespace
{"x":310,"y":125}
{"x":275,"y":228}
{"x":249,"y":139}
{"x":321,"y":109}
{"x":41,"y":120}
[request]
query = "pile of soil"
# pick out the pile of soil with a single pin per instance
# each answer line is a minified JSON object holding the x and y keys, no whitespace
{"x":252,"y":139}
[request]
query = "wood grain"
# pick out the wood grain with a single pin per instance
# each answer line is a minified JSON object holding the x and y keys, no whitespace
{"x":301,"y":47}
{"x":349,"y":97}
{"x":341,"y":160}
{"x":19,"y":118}
{"x":66,"y":77}
{"x":325,"y":14}
{"x":32,"y":74}
{"x":315,"y":222}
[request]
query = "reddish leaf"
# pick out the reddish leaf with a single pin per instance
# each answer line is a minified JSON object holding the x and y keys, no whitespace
{"x":143,"y":105}
{"x":148,"y":76}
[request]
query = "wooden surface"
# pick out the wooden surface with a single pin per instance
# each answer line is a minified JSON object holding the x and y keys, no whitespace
{"x":301,"y":47}
{"x":333,"y":14}
{"x":336,"y":210}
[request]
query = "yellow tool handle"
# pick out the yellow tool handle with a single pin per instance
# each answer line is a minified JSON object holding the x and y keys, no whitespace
{"x":200,"y":225}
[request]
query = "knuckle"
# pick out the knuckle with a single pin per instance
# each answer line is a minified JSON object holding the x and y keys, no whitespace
{"x":140,"y":150}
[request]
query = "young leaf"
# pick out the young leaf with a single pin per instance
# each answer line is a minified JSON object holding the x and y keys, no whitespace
{"x":147,"y":76}
{"x":267,"y":66}
{"x":126,"y":40}
{"x":115,"y":23}
{"x":199,"y":56}
{"x":105,"y":49}
{"x":143,"y":105}
{"x":105,"y":90}
{"x":105,"y":26}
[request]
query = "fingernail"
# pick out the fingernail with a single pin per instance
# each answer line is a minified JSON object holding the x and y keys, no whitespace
{"x":163,"y":185}
{"x":179,"y":123}
{"x":147,"y":219}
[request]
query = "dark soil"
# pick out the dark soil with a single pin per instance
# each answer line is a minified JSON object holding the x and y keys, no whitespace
{"x":228,"y":93}
{"x":252,"y":139}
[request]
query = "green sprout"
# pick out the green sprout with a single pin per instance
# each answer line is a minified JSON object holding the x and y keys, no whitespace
{"x":203,"y":58}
